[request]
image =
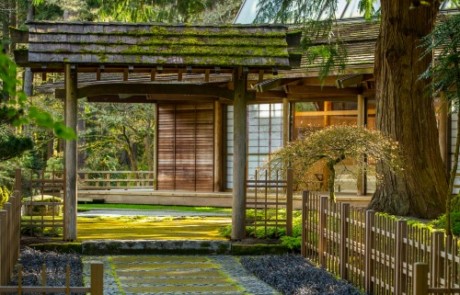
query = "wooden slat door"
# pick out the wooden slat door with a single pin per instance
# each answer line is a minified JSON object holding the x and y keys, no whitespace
{"x":186,"y":147}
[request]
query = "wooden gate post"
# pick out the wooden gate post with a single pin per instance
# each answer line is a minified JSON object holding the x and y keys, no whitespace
{"x":289,"y":200}
{"x":323,"y":205}
{"x":239,"y":155}
{"x":401,"y":230}
{"x":420,"y":279}
{"x":70,"y":156}
{"x":303,"y":247}
{"x":97,"y":278}
{"x":343,"y":253}
{"x":368,"y":265}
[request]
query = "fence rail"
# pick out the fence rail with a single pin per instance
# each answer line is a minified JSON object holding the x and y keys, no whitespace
{"x":376,"y":252}
{"x":96,"y":287}
{"x":269,"y":195}
{"x":10,"y":222}
{"x":116,"y":179}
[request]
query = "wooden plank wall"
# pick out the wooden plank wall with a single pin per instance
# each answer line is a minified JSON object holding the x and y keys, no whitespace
{"x":186,"y":147}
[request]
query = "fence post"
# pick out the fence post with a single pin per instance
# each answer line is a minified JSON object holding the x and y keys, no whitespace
{"x":420,"y":278}
{"x":3,"y":243}
{"x":401,"y":230}
{"x":436,"y":248}
{"x":97,"y":278}
{"x":289,"y":189}
{"x":343,"y":253}
{"x":18,"y":180}
{"x":322,"y":230}
{"x":303,"y":250}
{"x":368,"y":265}
{"x":9,"y":230}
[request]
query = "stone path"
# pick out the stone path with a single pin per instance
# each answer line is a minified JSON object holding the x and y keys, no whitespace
{"x":177,"y":274}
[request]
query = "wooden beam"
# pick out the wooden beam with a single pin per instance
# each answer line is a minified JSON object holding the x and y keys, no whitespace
{"x":205,"y":89}
{"x":273,"y":83}
{"x":239,"y":155}
{"x":118,"y":99}
{"x":325,"y":92}
{"x":286,"y":121}
{"x":330,"y":112}
{"x":70,"y":156}
{"x":303,"y":98}
{"x":349,"y":80}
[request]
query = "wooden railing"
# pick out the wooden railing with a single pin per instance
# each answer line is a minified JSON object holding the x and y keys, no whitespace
{"x":376,"y":252}
{"x":116,"y":179}
{"x":10,"y":221}
{"x":96,"y":287}
{"x":269,"y":195}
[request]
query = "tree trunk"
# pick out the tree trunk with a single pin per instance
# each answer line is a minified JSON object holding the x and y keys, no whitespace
{"x":405,"y":112}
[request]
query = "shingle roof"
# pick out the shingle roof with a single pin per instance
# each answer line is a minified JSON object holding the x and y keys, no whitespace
{"x":157,"y":44}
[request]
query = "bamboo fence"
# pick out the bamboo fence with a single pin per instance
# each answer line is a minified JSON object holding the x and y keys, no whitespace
{"x":270,"y":195}
{"x":378,"y":253}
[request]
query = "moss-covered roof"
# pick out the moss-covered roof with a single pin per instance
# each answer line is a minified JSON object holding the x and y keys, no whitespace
{"x":157,"y":44}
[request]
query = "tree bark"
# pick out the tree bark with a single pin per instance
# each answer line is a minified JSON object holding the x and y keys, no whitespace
{"x":405,"y":111}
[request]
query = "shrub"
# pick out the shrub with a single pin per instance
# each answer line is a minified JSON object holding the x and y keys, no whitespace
{"x":455,"y":219}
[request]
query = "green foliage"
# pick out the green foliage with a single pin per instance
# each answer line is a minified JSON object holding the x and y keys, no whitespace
{"x":444,"y":73}
{"x":316,"y":18}
{"x":15,"y":110}
{"x":441,"y":222}
{"x":167,"y":11}
{"x":114,"y":138}
{"x":12,"y":145}
{"x":292,"y":243}
{"x":334,"y":144}
{"x":4,"y":195}
{"x":55,"y":163}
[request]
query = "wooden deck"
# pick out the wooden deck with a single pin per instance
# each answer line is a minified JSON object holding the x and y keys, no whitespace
{"x":186,"y":198}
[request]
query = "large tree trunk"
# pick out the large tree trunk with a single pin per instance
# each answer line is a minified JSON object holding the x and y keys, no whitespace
{"x":405,"y":112}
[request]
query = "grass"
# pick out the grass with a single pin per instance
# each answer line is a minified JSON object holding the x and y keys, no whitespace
{"x":91,"y":206}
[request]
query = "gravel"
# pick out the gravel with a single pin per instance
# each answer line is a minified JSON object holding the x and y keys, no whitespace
{"x":293,"y":275}
{"x":56,"y":263}
{"x":289,"y":274}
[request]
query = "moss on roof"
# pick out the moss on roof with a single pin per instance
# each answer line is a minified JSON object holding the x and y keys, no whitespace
{"x":149,"y":44}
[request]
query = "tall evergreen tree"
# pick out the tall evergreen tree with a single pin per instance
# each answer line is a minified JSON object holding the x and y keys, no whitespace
{"x":404,"y":110}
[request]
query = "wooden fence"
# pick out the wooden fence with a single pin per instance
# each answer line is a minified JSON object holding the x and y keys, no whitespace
{"x":96,"y":288}
{"x":43,"y":202}
{"x":116,"y":180}
{"x":10,"y":222}
{"x":269,"y":195}
{"x":378,"y":253}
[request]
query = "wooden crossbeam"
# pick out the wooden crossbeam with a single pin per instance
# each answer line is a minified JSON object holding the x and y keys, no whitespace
{"x":321,"y":92}
{"x":204,"y":89}
{"x":349,"y":80}
{"x":273,"y":83}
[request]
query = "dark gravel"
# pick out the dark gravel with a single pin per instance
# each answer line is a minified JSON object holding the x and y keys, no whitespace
{"x":56,"y":263}
{"x":293,"y":275}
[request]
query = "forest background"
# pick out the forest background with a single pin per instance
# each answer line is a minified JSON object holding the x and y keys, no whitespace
{"x":111,"y":136}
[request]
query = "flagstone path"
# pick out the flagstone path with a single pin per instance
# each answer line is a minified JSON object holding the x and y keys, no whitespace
{"x":177,"y":274}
